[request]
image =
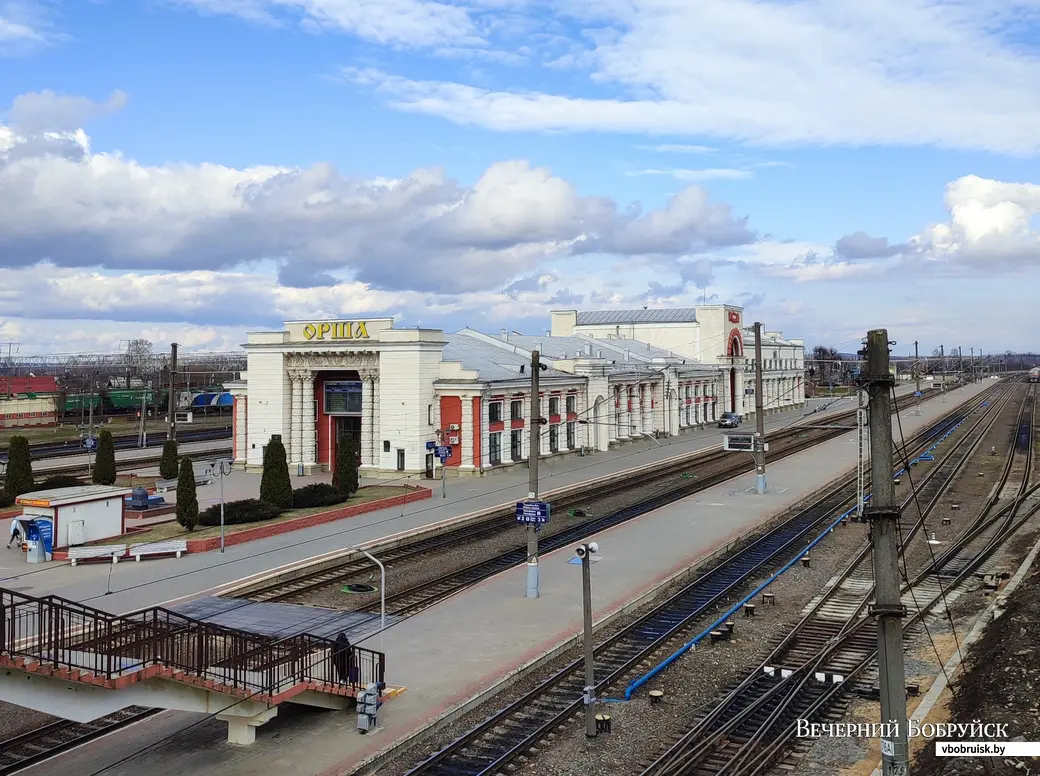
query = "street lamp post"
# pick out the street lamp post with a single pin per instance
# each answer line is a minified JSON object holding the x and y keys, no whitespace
{"x":382,"y":592}
{"x":217,"y":468}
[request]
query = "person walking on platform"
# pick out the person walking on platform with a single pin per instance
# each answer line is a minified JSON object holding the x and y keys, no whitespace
{"x":17,"y":533}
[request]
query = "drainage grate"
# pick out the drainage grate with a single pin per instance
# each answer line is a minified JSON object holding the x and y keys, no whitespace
{"x":358,"y":588}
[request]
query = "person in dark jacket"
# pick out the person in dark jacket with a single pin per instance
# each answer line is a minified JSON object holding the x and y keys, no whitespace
{"x":343,"y":658}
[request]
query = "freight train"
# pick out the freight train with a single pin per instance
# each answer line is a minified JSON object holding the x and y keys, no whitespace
{"x":1034,"y":374}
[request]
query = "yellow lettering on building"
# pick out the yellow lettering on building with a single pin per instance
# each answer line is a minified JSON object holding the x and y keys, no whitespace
{"x":336,"y":331}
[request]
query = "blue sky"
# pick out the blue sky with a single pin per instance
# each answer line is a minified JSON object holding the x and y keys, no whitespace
{"x":190,"y":169}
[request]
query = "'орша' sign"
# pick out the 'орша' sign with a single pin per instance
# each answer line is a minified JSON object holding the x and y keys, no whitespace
{"x":336,"y":330}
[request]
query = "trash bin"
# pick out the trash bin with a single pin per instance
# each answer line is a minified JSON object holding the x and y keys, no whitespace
{"x":299,"y":470}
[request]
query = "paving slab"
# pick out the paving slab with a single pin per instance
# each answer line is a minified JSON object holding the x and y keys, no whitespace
{"x":447,"y":654}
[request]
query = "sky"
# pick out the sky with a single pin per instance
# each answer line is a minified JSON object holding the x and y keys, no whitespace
{"x":189,"y":170}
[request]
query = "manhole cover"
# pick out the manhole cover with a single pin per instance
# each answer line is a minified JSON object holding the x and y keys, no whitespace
{"x":359,"y":588}
{"x":577,"y":513}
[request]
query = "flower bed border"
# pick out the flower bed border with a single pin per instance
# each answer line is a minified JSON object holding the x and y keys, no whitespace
{"x":413,"y":493}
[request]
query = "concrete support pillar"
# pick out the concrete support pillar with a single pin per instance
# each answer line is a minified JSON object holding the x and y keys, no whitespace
{"x":242,"y":728}
{"x":307,"y":454}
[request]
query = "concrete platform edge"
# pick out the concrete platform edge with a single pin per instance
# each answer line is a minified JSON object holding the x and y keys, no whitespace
{"x":409,"y":740}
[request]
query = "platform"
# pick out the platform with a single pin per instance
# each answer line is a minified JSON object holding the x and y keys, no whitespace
{"x":451,"y":653}
{"x":137,"y":585}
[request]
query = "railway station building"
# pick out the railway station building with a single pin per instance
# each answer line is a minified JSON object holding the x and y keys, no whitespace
{"x":389,"y":392}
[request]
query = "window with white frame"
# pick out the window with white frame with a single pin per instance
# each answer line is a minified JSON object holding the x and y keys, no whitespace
{"x":572,"y":405}
{"x":554,"y":438}
{"x":495,"y":448}
{"x":495,"y":412}
{"x":516,"y":444}
{"x":571,"y":435}
{"x":516,"y":409}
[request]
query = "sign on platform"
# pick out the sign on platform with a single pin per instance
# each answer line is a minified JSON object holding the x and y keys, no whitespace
{"x":536,"y":512}
{"x":431,"y":445}
{"x":444,"y":453}
{"x":917,"y":393}
{"x":744,"y":443}
{"x":90,"y":443}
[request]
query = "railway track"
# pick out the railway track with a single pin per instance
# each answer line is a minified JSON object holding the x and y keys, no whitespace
{"x":43,"y":743}
{"x":494,"y":745}
{"x":122,"y":442}
{"x":133,"y":463}
{"x":713,"y":468}
{"x":750,"y":728}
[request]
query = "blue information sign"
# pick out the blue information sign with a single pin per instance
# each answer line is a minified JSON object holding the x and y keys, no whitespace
{"x":46,"y":534}
{"x":431,"y":445}
{"x":532,"y":512}
{"x":917,"y":393}
{"x":444,"y":453}
{"x":90,"y":443}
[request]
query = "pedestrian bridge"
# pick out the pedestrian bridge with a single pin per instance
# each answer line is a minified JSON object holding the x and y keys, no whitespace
{"x":80,"y":663}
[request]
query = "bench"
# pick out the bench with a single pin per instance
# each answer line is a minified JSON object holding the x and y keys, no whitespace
{"x":164,"y":486}
{"x":170,"y":547}
{"x":113,"y":551}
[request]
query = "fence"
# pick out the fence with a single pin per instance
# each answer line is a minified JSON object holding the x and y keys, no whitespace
{"x":60,"y":634}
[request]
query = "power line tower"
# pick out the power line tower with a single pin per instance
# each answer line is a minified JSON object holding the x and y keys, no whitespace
{"x":883,"y":516}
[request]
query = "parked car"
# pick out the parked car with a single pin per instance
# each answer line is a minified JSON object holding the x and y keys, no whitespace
{"x":729,"y":420}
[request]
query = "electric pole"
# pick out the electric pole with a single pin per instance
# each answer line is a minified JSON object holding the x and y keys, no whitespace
{"x":532,"y":464}
{"x":760,"y":420}
{"x":585,"y":552}
{"x":171,"y":421}
{"x":917,"y":378}
{"x":142,"y":433}
{"x":883,"y":515}
{"x":971,"y":364}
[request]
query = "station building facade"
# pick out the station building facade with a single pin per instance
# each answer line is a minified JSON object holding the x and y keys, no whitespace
{"x":388,"y":392}
{"x":714,"y":335}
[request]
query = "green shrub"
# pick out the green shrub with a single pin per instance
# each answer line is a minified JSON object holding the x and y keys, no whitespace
{"x":317,"y":495}
{"x":19,"y":478}
{"x":104,"y":472}
{"x":345,"y":475}
{"x":187,"y":498}
{"x":60,"y":481}
{"x":275,"y":485}
{"x":169,"y":463}
{"x":238,"y":512}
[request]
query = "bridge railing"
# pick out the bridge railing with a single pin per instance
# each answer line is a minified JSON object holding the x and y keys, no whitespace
{"x":65,"y":634}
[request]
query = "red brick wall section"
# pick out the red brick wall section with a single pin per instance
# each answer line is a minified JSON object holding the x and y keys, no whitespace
{"x":411,"y":493}
{"x":451,"y":413}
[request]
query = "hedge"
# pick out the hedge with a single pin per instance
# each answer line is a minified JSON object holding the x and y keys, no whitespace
{"x":319,"y":494}
{"x":56,"y":481}
{"x":248,"y":510}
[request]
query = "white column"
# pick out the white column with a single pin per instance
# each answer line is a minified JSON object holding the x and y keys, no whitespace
{"x":377,"y":437}
{"x":307,"y":454}
{"x":466,"y":434}
{"x":368,"y":457}
{"x":296,"y":418}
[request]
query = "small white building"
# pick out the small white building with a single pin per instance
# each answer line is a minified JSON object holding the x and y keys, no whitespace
{"x":78,"y":515}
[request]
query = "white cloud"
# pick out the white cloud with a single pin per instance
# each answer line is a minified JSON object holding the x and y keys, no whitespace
{"x":62,"y":202}
{"x":929,"y":72}
{"x":677,"y":149}
{"x":710,"y":174}
{"x":991,"y":226}
{"x":46,"y":111}
{"x":24,"y":28}
{"x":406,"y":23}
